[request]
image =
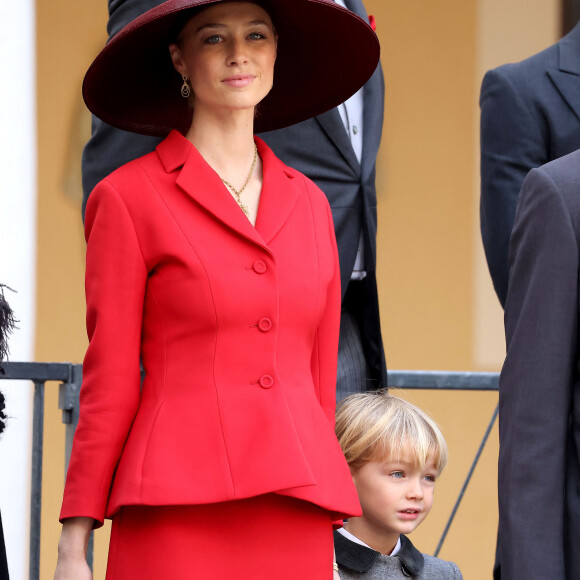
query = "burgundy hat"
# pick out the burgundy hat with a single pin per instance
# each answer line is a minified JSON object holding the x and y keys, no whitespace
{"x":325,"y":54}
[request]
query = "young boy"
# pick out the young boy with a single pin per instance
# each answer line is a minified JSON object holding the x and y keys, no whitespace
{"x":395,"y":453}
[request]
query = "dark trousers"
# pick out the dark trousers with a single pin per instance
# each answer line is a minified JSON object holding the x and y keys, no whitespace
{"x":352,"y":373}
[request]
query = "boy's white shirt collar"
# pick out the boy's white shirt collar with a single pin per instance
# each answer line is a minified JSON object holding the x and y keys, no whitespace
{"x":354,"y":539}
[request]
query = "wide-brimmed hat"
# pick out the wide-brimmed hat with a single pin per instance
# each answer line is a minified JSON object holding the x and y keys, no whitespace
{"x":325,"y":54}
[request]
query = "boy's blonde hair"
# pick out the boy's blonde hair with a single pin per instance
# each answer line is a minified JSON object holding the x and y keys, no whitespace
{"x":377,"y":426}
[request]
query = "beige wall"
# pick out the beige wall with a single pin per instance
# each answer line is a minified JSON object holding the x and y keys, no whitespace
{"x":69,"y":33}
{"x":438,"y":308}
{"x":498,"y":41}
{"x":426,"y":243}
{"x":438,"y":311}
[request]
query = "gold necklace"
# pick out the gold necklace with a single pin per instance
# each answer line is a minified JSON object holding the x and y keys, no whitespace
{"x":238,"y":193}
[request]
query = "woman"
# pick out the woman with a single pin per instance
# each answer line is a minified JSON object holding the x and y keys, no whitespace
{"x":215,"y":265}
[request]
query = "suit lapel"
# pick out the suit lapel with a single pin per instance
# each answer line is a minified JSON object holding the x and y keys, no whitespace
{"x":331,"y":121}
{"x":357,"y":7}
{"x":332,"y":125}
{"x":373,"y":103}
{"x":567,"y":77}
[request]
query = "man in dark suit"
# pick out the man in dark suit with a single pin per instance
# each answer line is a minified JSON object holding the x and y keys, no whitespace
{"x":339,"y":155}
{"x":530,"y":114}
{"x":539,"y":462}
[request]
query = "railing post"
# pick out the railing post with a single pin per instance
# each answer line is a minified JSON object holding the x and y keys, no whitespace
{"x":36,"y":486}
{"x":68,"y":403}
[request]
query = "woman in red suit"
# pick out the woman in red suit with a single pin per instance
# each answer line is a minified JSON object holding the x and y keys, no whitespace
{"x":215,"y":265}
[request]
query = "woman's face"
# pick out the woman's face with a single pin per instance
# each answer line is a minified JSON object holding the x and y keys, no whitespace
{"x":228,"y":52}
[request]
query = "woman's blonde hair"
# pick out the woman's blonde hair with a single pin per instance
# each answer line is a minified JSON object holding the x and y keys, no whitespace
{"x":377,"y":426}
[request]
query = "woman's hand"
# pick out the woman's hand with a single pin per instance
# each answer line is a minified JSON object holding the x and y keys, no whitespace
{"x":335,"y":574}
{"x":68,"y":568}
{"x":72,"y":550}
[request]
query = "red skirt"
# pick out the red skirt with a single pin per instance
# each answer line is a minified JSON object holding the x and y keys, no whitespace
{"x":270,"y":537}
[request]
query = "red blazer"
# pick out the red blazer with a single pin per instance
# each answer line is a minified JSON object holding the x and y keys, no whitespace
{"x":237,"y":330}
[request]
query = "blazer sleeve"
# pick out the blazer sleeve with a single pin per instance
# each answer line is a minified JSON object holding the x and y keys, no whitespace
{"x":541,"y":320}
{"x":325,"y":351}
{"x":115,"y":285}
{"x":511,"y":145}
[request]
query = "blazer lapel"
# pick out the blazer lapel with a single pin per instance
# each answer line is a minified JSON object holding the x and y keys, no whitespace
{"x":200,"y":182}
{"x":567,"y":77}
{"x":279,"y":193}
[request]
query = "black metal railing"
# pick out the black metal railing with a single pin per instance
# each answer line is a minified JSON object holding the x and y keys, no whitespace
{"x":70,"y":377}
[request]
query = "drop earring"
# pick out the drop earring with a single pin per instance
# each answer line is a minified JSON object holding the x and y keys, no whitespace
{"x":185,"y":88}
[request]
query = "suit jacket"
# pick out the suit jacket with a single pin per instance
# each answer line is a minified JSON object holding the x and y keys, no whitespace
{"x":320,"y":149}
{"x":359,"y":562}
{"x":539,"y":420}
{"x":530,"y":114}
{"x":237,"y":330}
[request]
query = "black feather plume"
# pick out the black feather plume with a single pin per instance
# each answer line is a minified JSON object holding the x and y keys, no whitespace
{"x":7,"y":323}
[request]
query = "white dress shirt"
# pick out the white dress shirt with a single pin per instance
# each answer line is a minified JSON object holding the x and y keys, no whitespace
{"x":354,"y":539}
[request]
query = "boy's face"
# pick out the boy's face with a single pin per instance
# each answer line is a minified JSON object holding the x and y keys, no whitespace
{"x":395,"y":497}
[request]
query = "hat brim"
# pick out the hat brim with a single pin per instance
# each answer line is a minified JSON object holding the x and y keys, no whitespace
{"x":325,"y":54}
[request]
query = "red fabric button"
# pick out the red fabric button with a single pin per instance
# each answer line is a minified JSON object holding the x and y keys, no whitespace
{"x":266,"y":381}
{"x":260,"y":267}
{"x":265,"y":324}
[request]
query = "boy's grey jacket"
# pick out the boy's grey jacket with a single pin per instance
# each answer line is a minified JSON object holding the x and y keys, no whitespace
{"x":359,"y":562}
